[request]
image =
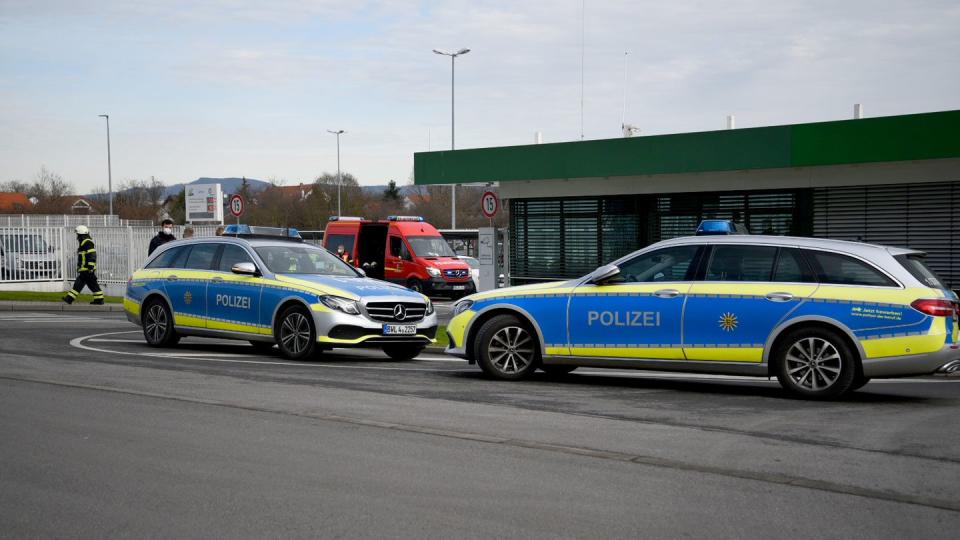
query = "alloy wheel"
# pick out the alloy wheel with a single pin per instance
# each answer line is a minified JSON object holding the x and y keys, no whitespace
{"x":156,"y":323}
{"x":511,"y":349}
{"x":813,"y":363}
{"x":295,"y":333}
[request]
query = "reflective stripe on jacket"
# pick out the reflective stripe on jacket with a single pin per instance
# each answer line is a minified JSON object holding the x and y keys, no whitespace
{"x":86,"y":256}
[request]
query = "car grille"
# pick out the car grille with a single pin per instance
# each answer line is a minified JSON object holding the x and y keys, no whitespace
{"x":386,"y":311}
{"x":456,"y":273}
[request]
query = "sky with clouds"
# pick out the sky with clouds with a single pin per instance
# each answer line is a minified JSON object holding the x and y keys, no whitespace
{"x":241,"y":88}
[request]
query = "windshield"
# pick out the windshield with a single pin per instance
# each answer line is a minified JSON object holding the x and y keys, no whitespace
{"x":24,"y":243}
{"x":430,"y":246}
{"x":303,"y":259}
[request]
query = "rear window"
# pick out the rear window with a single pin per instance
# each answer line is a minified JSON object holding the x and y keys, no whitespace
{"x":918,"y":268}
{"x":201,"y":256}
{"x":833,"y":268}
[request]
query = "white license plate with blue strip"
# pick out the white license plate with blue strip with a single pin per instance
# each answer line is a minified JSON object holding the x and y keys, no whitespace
{"x":399,"y":329}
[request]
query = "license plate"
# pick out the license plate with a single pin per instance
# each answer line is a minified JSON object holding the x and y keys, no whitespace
{"x":459,"y":287}
{"x":399,"y":329}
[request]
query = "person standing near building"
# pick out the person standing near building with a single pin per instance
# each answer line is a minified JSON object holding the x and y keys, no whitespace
{"x":165,"y":235}
{"x":86,"y":268}
{"x":188,"y":233}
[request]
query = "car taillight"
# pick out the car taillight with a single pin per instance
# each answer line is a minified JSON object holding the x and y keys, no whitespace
{"x":935,"y":307}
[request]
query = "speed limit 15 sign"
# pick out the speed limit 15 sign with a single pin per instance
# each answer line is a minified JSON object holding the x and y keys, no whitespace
{"x":489,"y":204}
{"x":236,"y":205}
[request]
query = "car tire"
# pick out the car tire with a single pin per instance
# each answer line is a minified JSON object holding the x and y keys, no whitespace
{"x":403,"y":352}
{"x":157,"y":322}
{"x":558,"y":370}
{"x":294,"y":333}
{"x":815,"y":363}
{"x":415,"y":285}
{"x":859,"y":382}
{"x":262,"y":346}
{"x":507,"y":349}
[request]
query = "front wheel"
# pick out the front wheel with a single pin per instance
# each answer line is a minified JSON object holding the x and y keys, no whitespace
{"x":507,"y":349}
{"x":158,"y":325}
{"x":295,"y":334}
{"x":815,"y":363}
{"x":415,"y":285}
{"x":403,"y":352}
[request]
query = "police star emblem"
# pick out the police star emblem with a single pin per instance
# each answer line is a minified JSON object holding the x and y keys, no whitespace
{"x":728,"y":321}
{"x":187,"y":298}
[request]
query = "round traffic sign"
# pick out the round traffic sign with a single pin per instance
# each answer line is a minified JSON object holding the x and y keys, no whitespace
{"x":236,"y":205}
{"x":489,"y":204}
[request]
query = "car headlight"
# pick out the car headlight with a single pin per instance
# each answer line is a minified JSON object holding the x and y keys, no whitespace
{"x":340,"y":304}
{"x":434,"y":272}
{"x":429,"y":307}
{"x":462,"y":306}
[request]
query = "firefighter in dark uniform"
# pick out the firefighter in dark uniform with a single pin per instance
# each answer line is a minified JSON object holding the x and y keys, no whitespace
{"x":86,"y":268}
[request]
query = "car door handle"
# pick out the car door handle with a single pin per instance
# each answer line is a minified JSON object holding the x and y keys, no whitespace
{"x":779,"y":297}
{"x":171,"y":278}
{"x":667,"y":293}
{"x":217,"y":279}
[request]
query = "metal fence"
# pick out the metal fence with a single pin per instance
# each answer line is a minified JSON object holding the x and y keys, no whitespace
{"x":45,"y":254}
{"x":69,"y":220}
{"x":31,"y":254}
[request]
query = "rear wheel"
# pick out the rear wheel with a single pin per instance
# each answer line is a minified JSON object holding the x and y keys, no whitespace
{"x":815,"y":363}
{"x":403,"y":352}
{"x":158,"y":325}
{"x":295,"y":335}
{"x":507,"y":349}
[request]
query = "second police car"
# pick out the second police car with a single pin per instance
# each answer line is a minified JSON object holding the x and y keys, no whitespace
{"x":823,"y":316}
{"x":255,"y":284}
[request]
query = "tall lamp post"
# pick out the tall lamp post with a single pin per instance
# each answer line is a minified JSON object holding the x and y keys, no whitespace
{"x":109,"y":168}
{"x":338,"y":133}
{"x":453,"y":190}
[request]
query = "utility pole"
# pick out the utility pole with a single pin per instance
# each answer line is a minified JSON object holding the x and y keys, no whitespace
{"x":453,"y":146}
{"x":109,"y":167}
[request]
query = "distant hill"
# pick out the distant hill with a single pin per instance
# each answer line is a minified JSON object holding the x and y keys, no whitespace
{"x":229,"y":185}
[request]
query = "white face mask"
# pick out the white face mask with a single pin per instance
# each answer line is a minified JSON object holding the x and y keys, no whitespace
{"x":167,"y":230}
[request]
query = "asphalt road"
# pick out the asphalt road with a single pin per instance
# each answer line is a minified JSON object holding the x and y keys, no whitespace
{"x":103,"y":436}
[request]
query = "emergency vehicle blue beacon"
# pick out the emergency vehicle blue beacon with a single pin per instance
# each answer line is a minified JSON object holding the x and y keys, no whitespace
{"x":823,"y":316}
{"x":265,"y":286}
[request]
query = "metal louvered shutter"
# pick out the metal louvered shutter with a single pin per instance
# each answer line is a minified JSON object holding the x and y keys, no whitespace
{"x":916,"y":216}
{"x":566,"y":238}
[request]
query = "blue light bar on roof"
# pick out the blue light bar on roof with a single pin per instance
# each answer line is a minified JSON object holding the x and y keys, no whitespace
{"x":405,"y":218}
{"x":713,"y":227}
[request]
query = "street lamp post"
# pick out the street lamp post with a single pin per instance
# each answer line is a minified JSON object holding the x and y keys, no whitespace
{"x":338,"y":133}
{"x":453,"y":190}
{"x":109,"y":168}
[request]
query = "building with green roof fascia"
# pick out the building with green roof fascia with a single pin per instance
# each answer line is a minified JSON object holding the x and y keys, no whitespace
{"x":894,"y":138}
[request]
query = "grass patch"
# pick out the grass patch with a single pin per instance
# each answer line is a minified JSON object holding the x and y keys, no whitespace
{"x":442,"y":340}
{"x":31,"y":296}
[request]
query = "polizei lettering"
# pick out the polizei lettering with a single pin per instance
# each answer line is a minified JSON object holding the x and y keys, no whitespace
{"x":239,"y":302}
{"x":623,"y":318}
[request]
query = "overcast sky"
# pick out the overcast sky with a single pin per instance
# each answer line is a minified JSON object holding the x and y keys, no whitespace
{"x":237,"y":88}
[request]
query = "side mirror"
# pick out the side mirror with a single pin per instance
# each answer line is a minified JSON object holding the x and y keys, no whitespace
{"x":604,"y":273}
{"x":245,"y":268}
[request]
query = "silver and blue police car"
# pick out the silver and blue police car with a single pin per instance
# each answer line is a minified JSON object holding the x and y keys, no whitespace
{"x":265,"y":286}
{"x":823,"y":316}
